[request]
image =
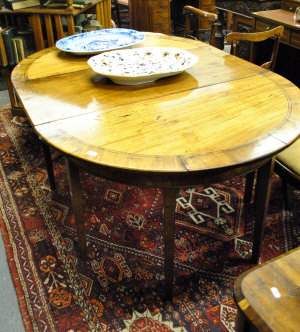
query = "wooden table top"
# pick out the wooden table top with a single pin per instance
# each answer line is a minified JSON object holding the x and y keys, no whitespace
{"x":269,"y":294}
{"x":223,"y":111}
{"x":279,"y":16}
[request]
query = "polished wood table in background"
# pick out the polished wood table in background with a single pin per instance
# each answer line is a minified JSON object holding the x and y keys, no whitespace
{"x":221,"y":118}
{"x":269,"y":295}
{"x":269,"y":19}
{"x":287,"y":64}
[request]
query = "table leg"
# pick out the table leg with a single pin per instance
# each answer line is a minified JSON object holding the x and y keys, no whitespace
{"x":47,"y":156}
{"x":169,"y":225}
{"x":262,"y":196}
{"x":249,"y":187}
{"x":75,"y":190}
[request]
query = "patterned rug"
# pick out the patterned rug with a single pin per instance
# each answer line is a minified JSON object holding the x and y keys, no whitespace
{"x":120,"y":285}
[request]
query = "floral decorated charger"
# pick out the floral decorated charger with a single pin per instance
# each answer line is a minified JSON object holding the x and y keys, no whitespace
{"x":97,"y":41}
{"x":142,"y":65}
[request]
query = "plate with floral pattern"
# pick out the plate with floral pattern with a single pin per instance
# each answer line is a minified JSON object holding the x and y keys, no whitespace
{"x":142,"y":65}
{"x":97,"y":41}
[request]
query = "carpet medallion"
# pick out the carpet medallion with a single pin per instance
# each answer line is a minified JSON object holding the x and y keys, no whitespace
{"x":120,"y":285}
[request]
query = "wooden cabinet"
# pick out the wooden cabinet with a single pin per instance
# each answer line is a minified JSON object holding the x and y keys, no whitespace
{"x":265,"y":26}
{"x":155,"y":15}
{"x":266,"y":20}
{"x":287,"y":63}
{"x":150,"y":15}
{"x":290,"y":5}
{"x":295,"y":39}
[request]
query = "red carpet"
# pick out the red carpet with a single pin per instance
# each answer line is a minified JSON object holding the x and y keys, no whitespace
{"x":120,"y":286}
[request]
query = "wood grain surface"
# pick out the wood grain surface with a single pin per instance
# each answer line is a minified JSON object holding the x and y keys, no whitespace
{"x":223,"y":111}
{"x":280,"y":16}
{"x":269,"y":295}
{"x":221,"y":118}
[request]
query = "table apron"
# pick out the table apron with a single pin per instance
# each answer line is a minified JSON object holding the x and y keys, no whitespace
{"x":170,"y":179}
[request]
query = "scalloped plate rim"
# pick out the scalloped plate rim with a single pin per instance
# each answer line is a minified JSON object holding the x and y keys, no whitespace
{"x":96,"y":33}
{"x":138,"y":79}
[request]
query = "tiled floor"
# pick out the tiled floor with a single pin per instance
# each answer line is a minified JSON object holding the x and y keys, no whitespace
{"x":10,"y":317}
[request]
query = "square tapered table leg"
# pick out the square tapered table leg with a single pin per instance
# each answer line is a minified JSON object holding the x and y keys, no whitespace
{"x":76,"y":197}
{"x":169,"y":226}
{"x":262,"y":197}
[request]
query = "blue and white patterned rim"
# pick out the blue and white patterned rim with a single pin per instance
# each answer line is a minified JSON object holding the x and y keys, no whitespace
{"x":98,"y":41}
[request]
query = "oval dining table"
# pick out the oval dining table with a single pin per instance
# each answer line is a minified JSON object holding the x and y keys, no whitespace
{"x":221,"y":118}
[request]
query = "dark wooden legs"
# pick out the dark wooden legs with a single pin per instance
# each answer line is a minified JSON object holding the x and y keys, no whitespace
{"x":47,"y":156}
{"x":242,"y":324}
{"x":169,"y":225}
{"x":169,"y":195}
{"x":249,"y":187}
{"x":285,"y":194}
{"x":75,"y":190}
{"x":262,"y":196}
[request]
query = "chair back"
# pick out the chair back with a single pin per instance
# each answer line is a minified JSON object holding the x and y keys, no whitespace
{"x":116,"y":6}
{"x":190,"y":11}
{"x":123,"y":2}
{"x":233,"y":39}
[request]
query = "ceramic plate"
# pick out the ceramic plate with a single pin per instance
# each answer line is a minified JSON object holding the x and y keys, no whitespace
{"x":97,"y":41}
{"x":141,"y":65}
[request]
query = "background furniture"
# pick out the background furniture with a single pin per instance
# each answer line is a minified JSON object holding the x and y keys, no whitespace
{"x":234,"y":38}
{"x":17,"y":109}
{"x":238,"y":15}
{"x":47,"y":26}
{"x":150,"y":15}
{"x":210,"y":123}
{"x":5,"y":72}
{"x":288,"y":64}
{"x":202,"y":15}
{"x":47,"y":22}
{"x":178,"y":17}
{"x":287,"y":166}
{"x":116,"y":7}
{"x":115,"y":12}
{"x":268,"y":296}
{"x":266,"y":20}
{"x":240,"y":12}
{"x":164,"y":15}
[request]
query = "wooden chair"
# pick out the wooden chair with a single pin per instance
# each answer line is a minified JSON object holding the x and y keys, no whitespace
{"x":211,"y":18}
{"x":287,"y":166}
{"x":115,"y":12}
{"x":233,"y":39}
{"x":18,"y":110}
{"x":116,"y":7}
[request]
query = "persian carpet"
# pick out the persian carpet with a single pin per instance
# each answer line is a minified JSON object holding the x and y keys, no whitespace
{"x":119,"y":287}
